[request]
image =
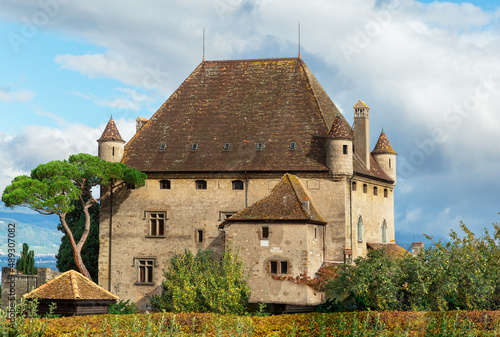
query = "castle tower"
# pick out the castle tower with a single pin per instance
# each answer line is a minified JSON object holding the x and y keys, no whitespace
{"x":339,"y":148}
{"x":362,"y":132}
{"x":111,"y":144}
{"x":385,"y":155}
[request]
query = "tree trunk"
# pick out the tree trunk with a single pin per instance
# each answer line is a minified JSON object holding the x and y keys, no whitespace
{"x":76,"y":248}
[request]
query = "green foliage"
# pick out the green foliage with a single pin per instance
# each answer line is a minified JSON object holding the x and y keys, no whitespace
{"x":65,"y":259}
{"x":204,"y":283}
{"x":122,"y":308}
{"x":26,"y":263}
{"x":461,"y":274}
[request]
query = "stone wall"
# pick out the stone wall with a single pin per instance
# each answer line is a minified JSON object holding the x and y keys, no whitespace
{"x":16,"y":283}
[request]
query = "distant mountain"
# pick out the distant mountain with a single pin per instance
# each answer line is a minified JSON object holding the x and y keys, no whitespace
{"x":37,"y":230}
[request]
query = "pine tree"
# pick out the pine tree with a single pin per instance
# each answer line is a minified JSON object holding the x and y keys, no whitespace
{"x":26,"y":263}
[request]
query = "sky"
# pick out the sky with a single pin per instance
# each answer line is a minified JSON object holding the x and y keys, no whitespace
{"x":428,"y":70}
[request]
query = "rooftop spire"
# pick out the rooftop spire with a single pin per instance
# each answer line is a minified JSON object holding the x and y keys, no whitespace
{"x":383,"y":145}
{"x":111,"y":133}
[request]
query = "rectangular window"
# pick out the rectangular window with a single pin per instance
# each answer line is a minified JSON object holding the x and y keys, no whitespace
{"x":201,"y":184}
{"x":200,"y":235}
{"x":265,"y":232}
{"x":274,"y":267}
{"x":238,"y":185}
{"x":226,"y":147}
{"x":259,"y":146}
{"x":279,"y":267}
{"x":292,"y":146}
{"x":164,"y":184}
{"x":163,"y":147}
{"x":344,"y":149}
{"x":386,"y":193}
{"x":145,"y":270}
{"x":156,"y":223}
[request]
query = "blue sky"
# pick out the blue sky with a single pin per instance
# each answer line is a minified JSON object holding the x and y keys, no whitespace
{"x":429,"y":71}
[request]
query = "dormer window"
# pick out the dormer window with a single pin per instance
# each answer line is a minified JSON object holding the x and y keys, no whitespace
{"x":194,"y":147}
{"x":259,"y":146}
{"x":226,"y":147}
{"x":163,"y":147}
{"x":292,"y":146}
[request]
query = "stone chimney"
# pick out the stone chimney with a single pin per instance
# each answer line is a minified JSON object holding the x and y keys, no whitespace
{"x":139,"y":123}
{"x":417,"y":247}
{"x":362,"y":132}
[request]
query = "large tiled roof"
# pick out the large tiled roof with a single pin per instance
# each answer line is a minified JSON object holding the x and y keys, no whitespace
{"x":383,"y":145}
{"x":71,"y":285}
{"x":244,"y":102}
{"x":285,"y":202}
{"x":111,"y":133}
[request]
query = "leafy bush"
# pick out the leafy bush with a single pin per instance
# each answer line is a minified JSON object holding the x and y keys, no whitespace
{"x":204,"y":282}
{"x":461,"y":274}
{"x":122,"y":308}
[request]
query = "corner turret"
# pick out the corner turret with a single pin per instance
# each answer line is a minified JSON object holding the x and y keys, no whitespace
{"x":339,"y":148}
{"x":111,"y":144}
{"x":385,"y":155}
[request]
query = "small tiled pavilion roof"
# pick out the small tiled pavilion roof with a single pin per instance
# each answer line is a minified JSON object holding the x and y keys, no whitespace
{"x":383,"y":145}
{"x":71,"y":285}
{"x":111,"y":133}
{"x":285,"y":202}
{"x":361,"y":104}
{"x":340,"y":129}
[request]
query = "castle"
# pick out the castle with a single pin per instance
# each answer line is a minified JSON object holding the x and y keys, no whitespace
{"x":251,"y":154}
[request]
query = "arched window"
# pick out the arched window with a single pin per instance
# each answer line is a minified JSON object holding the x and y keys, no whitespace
{"x":360,"y":229}
{"x":201,"y":184}
{"x":386,"y":193}
{"x":164,"y":184}
{"x":375,"y":191}
{"x":238,"y":185}
{"x":365,"y":188}
{"x":384,"y":232}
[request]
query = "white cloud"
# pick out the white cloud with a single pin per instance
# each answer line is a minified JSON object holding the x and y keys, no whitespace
{"x":9,"y":95}
{"x":38,"y":144}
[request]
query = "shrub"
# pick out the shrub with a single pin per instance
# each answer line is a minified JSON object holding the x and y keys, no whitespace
{"x":122,"y":308}
{"x":204,"y":283}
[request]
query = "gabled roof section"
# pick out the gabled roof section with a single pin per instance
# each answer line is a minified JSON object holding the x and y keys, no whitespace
{"x":340,"y":129}
{"x":390,"y":249}
{"x":242,"y":102}
{"x":71,"y":285}
{"x":383,"y":145}
{"x":285,"y":202}
{"x":111,"y":133}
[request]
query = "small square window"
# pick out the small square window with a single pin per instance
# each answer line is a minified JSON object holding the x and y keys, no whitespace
{"x":164,"y":184}
{"x":279,"y":267}
{"x":201,"y":184}
{"x":238,"y":185}
{"x":292,"y":146}
{"x":194,"y":147}
{"x":226,"y":147}
{"x":259,"y":146}
{"x":163,"y":147}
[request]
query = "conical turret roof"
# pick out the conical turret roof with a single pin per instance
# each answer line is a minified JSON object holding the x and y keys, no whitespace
{"x":340,"y":129}
{"x":111,"y":133}
{"x":383,"y":145}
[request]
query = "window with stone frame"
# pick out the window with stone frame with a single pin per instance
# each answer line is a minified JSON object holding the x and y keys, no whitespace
{"x":238,"y":185}
{"x":145,"y":270}
{"x":279,"y":268}
{"x":201,"y":184}
{"x":164,"y":184}
{"x":156,"y":223}
{"x":199,"y":235}
{"x":265,"y":232}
